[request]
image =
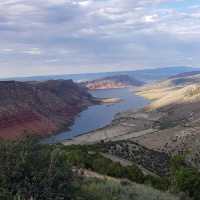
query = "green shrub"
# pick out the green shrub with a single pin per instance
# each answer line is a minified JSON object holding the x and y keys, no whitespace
{"x":30,"y":169}
{"x":83,"y":158}
{"x":133,"y":173}
{"x":188,"y":180}
{"x":160,"y":183}
{"x":113,"y":190}
{"x":185,"y":178}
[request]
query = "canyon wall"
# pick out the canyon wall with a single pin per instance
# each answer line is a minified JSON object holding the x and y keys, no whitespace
{"x":40,"y":107}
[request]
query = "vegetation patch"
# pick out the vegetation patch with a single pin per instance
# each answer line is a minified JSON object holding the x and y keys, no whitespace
{"x":113,"y":190}
{"x":31,"y":170}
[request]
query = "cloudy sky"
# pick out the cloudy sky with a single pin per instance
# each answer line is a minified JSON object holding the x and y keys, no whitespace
{"x":39,"y":37}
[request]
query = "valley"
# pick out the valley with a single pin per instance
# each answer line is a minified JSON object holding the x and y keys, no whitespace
{"x":169,"y":124}
{"x":99,"y":100}
{"x":97,"y":116}
{"x":50,"y":107}
{"x":151,"y":137}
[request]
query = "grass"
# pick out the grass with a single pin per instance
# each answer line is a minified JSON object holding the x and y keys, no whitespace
{"x":115,"y":190}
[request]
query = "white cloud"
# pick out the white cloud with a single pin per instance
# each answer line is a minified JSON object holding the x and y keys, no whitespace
{"x":151,"y":18}
{"x":7,"y":50}
{"x":77,"y":33}
{"x":17,"y":9}
{"x":33,"y":51}
{"x":83,"y":3}
{"x":52,"y":60}
{"x":57,"y":2}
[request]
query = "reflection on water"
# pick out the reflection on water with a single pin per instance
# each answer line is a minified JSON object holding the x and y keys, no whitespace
{"x":100,"y":115}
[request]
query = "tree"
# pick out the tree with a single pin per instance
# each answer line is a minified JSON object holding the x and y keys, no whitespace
{"x":33,"y":170}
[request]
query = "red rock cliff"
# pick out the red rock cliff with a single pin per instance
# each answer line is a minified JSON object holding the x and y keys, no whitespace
{"x":111,"y":82}
{"x":39,"y":107}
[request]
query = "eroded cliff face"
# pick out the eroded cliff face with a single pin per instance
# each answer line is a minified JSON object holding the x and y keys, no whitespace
{"x":112,"y":82}
{"x":40,"y":107}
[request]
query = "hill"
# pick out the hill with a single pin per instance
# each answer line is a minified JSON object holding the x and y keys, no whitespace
{"x":40,"y":107}
{"x":176,"y":102}
{"x":176,"y":89}
{"x":169,"y":124}
{"x":31,"y":170}
{"x":185,"y":74}
{"x":111,"y":82}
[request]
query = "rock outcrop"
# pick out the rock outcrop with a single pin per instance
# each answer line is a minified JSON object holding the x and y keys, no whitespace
{"x":112,"y":82}
{"x":40,"y":107}
{"x":154,"y":161}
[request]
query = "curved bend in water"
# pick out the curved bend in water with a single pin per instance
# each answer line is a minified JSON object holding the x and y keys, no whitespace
{"x":98,"y":116}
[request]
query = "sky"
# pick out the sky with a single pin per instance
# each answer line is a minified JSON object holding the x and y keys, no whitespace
{"x":41,"y":37}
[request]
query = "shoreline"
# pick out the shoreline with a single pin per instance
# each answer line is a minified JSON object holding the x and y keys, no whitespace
{"x":141,"y":112}
{"x":114,"y":131}
{"x":109,"y":125}
{"x":96,"y":101}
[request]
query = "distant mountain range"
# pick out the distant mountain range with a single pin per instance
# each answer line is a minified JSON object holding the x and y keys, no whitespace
{"x":112,"y":82}
{"x":186,"y":74}
{"x":146,"y":75}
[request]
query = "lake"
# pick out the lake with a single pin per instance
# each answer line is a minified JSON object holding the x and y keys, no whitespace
{"x":98,"y":116}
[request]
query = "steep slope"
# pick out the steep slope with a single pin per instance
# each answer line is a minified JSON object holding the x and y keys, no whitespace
{"x":176,"y":131}
{"x":39,"y":107}
{"x":177,"y":89}
{"x":118,"y":81}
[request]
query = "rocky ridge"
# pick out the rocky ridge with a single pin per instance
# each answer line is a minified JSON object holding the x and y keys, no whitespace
{"x":112,"y":82}
{"x":40,"y":107}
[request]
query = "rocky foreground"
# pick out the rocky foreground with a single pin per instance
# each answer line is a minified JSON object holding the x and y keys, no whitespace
{"x":40,"y":107}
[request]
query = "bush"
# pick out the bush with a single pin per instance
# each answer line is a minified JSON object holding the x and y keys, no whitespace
{"x":157,"y":182}
{"x":82,"y":157}
{"x":30,"y":169}
{"x":133,"y":173}
{"x":185,"y":178}
{"x":188,"y":180}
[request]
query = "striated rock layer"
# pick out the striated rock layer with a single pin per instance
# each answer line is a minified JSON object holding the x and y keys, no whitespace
{"x":40,"y":107}
{"x":112,"y":82}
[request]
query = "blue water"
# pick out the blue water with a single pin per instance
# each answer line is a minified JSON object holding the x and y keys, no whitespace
{"x":100,"y":115}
